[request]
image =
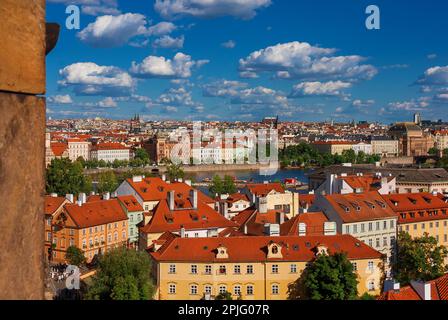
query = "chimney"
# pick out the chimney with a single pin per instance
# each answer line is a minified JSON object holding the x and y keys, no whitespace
{"x":262,"y":205}
{"x":69,"y":197}
{"x":79,"y":202}
{"x":280,"y":217}
{"x":245,"y":229}
{"x":137,"y":179}
{"x":54,"y":195}
{"x":114,"y":194}
{"x":180,"y":180}
{"x":194,"y":198}
{"x":423,"y":289}
{"x":92,"y":193}
{"x":435,"y":193}
{"x":182,"y":231}
{"x":82,"y":197}
{"x":163,"y":177}
{"x":188,"y":182}
{"x":106,"y":196}
{"x":171,"y":200}
{"x":225,"y":210}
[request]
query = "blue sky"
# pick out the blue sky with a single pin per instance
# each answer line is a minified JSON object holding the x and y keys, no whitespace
{"x":246,"y":59}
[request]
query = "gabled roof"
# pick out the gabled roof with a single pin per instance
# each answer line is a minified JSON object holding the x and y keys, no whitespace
{"x":439,"y":291}
{"x":314,"y":224}
{"x":189,"y":218}
{"x":52,"y":204}
{"x":96,"y":213}
{"x":130,"y":203}
{"x":254,"y":249}
{"x":365,"y":182}
{"x":364,"y":206}
{"x":58,"y":148}
{"x":262,"y":189}
{"x":155,"y":189}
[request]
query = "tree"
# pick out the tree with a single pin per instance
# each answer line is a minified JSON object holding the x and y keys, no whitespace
{"x":229,"y":185}
{"x":75,"y":256}
{"x":64,"y":176}
{"x":224,"y":296}
{"x":107,"y":182}
{"x":142,"y":155}
{"x":174,"y":172}
{"x":433,"y":151}
{"x":217,"y":186}
{"x":328,"y":277}
{"x":123,"y":274}
{"x":419,"y":258}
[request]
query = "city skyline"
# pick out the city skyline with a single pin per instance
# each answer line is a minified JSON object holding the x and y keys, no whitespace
{"x":201,"y":61}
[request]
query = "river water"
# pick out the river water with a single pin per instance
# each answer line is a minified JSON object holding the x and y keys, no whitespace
{"x":253,"y":175}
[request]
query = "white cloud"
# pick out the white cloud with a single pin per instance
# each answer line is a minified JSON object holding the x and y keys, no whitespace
{"x":363,"y":103}
{"x":168,"y":42}
{"x":316,"y":88}
{"x":88,"y":78}
{"x":158,"y":67}
{"x":244,"y":9}
{"x":411,"y":105}
{"x":431,"y":56}
{"x":60,"y":99}
{"x":229,"y":44}
{"x":300,"y":60}
{"x":113,"y":31}
{"x":223,"y":88}
{"x":161,"y":28}
{"x":176,"y":97}
{"x":108,"y":102}
{"x":434,"y":76}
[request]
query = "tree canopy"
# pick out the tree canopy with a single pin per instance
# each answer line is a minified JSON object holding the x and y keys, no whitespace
{"x":64,"y":176}
{"x":328,"y":277}
{"x":419,"y":258}
{"x":75,"y":256}
{"x":123,"y":274}
{"x":174,"y":171}
{"x":222,"y":186}
{"x":107,"y":182}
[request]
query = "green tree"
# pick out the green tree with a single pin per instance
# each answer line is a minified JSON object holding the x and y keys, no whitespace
{"x":224,"y":296}
{"x":419,"y":258}
{"x":329,"y":277}
{"x":142,"y":155}
{"x":433,"y":151}
{"x":217,"y":186}
{"x":228,"y":185}
{"x":64,"y":176}
{"x":123,"y":274}
{"x":174,"y":171}
{"x":107,"y":182}
{"x":75,"y":256}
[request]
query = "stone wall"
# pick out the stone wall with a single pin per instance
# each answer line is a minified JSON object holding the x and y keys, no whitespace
{"x":22,"y":129}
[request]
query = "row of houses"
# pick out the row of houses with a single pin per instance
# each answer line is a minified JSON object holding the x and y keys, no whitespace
{"x":254,"y":243}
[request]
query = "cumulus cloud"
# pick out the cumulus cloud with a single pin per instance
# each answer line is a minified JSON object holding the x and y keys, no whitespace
{"x":431,"y":56}
{"x":412,"y":105}
{"x":168,"y":42}
{"x":229,"y":44}
{"x":316,"y":88}
{"x":357,"y":103}
{"x":180,"y":66}
{"x":435,"y":76}
{"x":93,"y":7}
{"x":60,"y":99}
{"x":108,"y":102}
{"x":177,"y":97}
{"x":223,"y":88}
{"x":243,"y":9}
{"x":300,"y":60}
{"x":161,"y":28}
{"x":88,"y":78}
{"x":113,"y":31}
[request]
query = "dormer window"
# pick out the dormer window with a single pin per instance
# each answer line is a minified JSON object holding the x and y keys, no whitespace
{"x":274,"y":249}
{"x":221,"y":252}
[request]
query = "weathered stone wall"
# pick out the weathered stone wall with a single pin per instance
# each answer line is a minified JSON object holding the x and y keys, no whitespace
{"x":22,"y":129}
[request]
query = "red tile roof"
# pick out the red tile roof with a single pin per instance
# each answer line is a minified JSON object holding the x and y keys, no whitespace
{"x":131,"y":204}
{"x":109,"y":146}
{"x":439,"y":291}
{"x":306,"y":200}
{"x":155,"y":189}
{"x":53,"y":203}
{"x":365,"y":182}
{"x":203,"y":217}
{"x":58,"y":148}
{"x":365,"y":206}
{"x":254,"y":249}
{"x":262,"y":189}
{"x":96,"y":213}
{"x":314,"y":224}
{"x":419,"y":204}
